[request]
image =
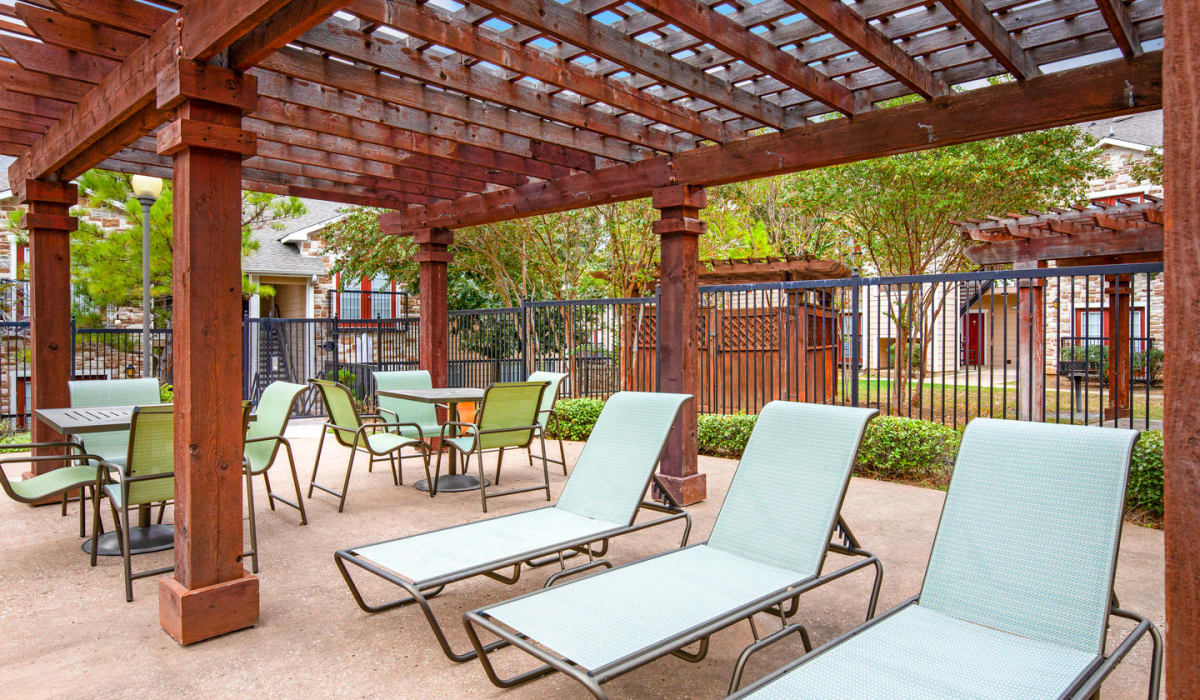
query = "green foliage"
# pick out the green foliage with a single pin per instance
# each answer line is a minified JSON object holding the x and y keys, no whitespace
{"x":1096,"y":355}
{"x":1148,"y":169}
{"x":723,"y":435}
{"x":1145,"y":491}
{"x":908,"y":449}
{"x":16,"y":438}
{"x":166,"y":393}
{"x":574,"y":418}
{"x":106,"y":264}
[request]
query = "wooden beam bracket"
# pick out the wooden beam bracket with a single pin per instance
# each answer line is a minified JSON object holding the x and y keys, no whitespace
{"x":187,"y":133}
{"x":189,"y":80}
{"x":52,"y":222}
{"x":45,"y":191}
{"x":678,"y":225}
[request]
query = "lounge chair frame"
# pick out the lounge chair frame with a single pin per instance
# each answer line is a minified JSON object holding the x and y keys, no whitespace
{"x":592,"y":679}
{"x":368,"y":422}
{"x":421,"y":591}
{"x":1086,"y":685}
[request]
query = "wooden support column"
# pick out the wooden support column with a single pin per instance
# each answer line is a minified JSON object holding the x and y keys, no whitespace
{"x":1181,"y":427}
{"x":49,"y":224}
{"x":678,"y":364}
{"x":210,"y":593}
{"x":1118,"y":291}
{"x":433,"y":258}
{"x":1031,"y":349}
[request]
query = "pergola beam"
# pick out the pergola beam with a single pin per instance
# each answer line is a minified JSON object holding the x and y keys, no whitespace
{"x":982,"y":24}
{"x":1097,"y":91}
{"x":203,"y":29}
{"x":1116,"y":16}
{"x":289,"y":22}
{"x":858,"y":34}
{"x":428,"y":23}
{"x":702,"y":21}
{"x":553,"y":18}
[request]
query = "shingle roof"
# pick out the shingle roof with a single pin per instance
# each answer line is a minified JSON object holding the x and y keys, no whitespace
{"x":274,"y":257}
{"x":1145,"y":128}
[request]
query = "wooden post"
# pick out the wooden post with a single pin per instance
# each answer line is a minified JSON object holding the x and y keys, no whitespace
{"x":1031,"y":349}
{"x":1118,"y":290}
{"x":433,"y":258}
{"x":49,"y":224}
{"x":210,"y":593}
{"x":1181,"y":153}
{"x":678,"y":321}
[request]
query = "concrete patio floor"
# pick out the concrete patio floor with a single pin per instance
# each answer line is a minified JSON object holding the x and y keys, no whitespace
{"x":66,"y":629}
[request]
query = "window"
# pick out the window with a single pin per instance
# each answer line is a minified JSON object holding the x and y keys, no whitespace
{"x":373,"y":298}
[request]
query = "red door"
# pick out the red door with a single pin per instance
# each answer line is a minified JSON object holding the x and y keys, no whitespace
{"x":972,"y":342}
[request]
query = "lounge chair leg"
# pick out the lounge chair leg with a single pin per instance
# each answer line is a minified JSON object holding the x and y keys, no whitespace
{"x":162,"y":510}
{"x":562,"y":454}
{"x":437,"y":473}
{"x":123,"y":528}
{"x":95,"y":522}
{"x":316,"y":462}
{"x":736,"y":679}
{"x":425,"y":459}
{"x":398,"y":465}
{"x":64,"y":505}
{"x":499,"y":462}
{"x":253,"y":553}
{"x":481,"y":651}
{"x":482,"y":479}
{"x":875,"y":588}
{"x":696,"y":657}
{"x":83,"y":511}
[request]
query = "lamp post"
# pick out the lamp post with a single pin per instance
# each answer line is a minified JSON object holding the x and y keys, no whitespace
{"x":147,"y":190}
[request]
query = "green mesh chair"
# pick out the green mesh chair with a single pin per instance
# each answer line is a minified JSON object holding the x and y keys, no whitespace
{"x":422,"y":415}
{"x":144,"y":475}
{"x":603,"y":496}
{"x":112,"y":445}
{"x":264,"y":437}
{"x":767,"y":547}
{"x":506,"y":419}
{"x":81,"y":473}
{"x":546,"y":414}
{"x":1018,"y":592}
{"x":367,"y":433}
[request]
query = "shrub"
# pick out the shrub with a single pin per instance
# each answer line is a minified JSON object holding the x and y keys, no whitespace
{"x":908,"y":449}
{"x":574,"y":418}
{"x":166,"y":393}
{"x":723,"y":435}
{"x":1146,"y":474}
{"x":15,"y":438}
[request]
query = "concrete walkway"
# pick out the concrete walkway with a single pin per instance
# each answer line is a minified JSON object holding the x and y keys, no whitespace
{"x":65,"y":627}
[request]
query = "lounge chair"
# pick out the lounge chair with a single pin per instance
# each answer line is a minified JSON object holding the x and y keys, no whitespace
{"x":546,"y":414}
{"x":82,"y":472}
{"x":365,"y":433}
{"x":1019,"y":588}
{"x":506,"y":419}
{"x":600,"y":501}
{"x":767,"y":547}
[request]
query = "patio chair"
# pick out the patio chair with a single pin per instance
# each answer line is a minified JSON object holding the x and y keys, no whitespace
{"x":1018,"y":591}
{"x":767,"y":548}
{"x":506,"y":419}
{"x":366,"y":433}
{"x":600,"y":501}
{"x":263,"y":439}
{"x":546,"y":414}
{"x":83,"y":472}
{"x":424,"y":415}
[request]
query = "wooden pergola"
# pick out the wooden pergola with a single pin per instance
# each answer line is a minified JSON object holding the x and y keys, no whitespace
{"x":1125,"y":232}
{"x":459,"y":113}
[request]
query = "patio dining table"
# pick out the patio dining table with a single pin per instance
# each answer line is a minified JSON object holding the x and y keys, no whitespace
{"x":451,"y":397}
{"x":146,"y":536}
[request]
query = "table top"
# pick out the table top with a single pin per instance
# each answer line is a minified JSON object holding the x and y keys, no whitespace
{"x":442,"y":395}
{"x":77,"y":421}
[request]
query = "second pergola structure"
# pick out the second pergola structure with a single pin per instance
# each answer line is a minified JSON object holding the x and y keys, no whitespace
{"x":462,"y":113}
{"x":1126,"y":232}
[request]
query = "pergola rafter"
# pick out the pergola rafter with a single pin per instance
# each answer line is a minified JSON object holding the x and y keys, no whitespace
{"x":508,"y":108}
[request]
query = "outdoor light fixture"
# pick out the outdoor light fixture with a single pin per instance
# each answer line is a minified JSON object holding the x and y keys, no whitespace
{"x":130,"y":372}
{"x":147,"y":190}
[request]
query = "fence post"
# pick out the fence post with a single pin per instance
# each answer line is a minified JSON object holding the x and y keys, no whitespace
{"x":855,"y":329}
{"x":526,"y":337}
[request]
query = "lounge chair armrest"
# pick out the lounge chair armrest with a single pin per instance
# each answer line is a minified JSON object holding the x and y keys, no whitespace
{"x":1089,"y":688}
{"x":459,"y":424}
{"x":736,"y":679}
{"x":420,"y":433}
{"x":264,"y":438}
{"x":513,"y":429}
{"x":394,"y":416}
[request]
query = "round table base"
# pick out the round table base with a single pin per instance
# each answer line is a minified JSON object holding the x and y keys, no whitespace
{"x":143,"y":540}
{"x":452,"y":483}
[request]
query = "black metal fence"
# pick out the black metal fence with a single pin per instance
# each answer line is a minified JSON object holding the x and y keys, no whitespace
{"x":1080,"y":345}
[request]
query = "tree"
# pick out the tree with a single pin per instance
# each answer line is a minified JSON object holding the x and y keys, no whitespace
{"x":1148,"y":168}
{"x":900,"y":211}
{"x":106,"y":263}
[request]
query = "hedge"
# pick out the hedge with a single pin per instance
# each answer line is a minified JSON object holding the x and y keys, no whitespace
{"x":893,"y":448}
